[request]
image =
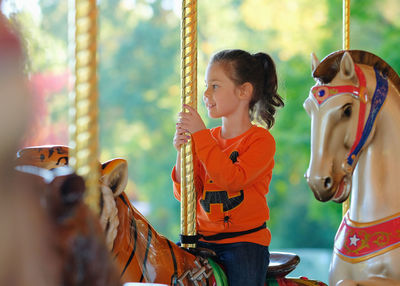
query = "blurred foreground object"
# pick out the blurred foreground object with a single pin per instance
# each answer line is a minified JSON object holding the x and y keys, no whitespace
{"x":23,"y":250}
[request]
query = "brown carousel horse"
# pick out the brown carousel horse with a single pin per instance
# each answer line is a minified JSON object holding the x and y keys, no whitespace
{"x":142,"y":254}
{"x":355,"y":148}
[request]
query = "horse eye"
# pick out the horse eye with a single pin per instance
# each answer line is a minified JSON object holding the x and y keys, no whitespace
{"x":347,"y":111}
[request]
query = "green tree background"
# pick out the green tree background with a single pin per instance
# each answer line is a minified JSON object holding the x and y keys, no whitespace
{"x":139,"y":83}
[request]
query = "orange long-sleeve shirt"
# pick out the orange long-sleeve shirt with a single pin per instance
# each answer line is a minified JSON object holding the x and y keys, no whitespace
{"x":232,"y":177}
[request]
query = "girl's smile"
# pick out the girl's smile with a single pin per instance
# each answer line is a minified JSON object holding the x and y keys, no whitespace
{"x":209,"y":105}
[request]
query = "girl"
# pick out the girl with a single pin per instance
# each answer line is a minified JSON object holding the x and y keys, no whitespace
{"x":233,"y":163}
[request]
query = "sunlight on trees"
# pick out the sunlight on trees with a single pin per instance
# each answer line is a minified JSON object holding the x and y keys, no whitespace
{"x":390,"y":9}
{"x":297,"y":26}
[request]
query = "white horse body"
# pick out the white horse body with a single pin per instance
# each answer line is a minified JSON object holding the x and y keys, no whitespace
{"x":374,"y":186}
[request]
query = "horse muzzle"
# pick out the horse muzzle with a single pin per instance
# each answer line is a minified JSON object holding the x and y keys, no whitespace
{"x":325,"y":188}
{"x":321,"y":186}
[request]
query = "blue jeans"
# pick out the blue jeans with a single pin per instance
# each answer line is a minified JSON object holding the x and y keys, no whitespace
{"x":245,"y":263}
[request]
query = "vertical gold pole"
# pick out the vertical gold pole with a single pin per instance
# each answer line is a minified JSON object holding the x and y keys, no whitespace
{"x":188,"y":96}
{"x":346,"y":46}
{"x":84,"y":127}
{"x":346,"y":24}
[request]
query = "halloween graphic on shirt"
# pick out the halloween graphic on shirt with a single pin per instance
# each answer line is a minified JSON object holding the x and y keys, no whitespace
{"x":221,"y":198}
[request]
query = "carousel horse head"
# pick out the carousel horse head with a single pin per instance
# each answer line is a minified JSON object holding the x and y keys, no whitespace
{"x":344,"y":105}
{"x":355,"y":147}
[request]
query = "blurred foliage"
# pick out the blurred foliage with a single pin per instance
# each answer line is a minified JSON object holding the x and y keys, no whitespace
{"x":139,"y":72}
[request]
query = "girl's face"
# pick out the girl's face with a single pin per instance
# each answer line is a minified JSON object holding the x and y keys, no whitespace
{"x":221,"y":96}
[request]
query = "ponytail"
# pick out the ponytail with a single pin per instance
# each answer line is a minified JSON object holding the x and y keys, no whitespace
{"x":259,"y":70}
{"x":265,"y":101}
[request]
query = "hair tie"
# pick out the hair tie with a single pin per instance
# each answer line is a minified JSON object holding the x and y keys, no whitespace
{"x":266,"y":64}
{"x":261,"y":57}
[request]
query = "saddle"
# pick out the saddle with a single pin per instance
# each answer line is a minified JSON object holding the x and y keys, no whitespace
{"x":280,"y":263}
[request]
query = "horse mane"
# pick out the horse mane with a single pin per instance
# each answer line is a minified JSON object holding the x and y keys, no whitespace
{"x":329,"y":66}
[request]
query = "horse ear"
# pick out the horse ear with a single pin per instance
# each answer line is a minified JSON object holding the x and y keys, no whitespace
{"x":347,"y":70}
{"x":314,"y":62}
{"x":115,"y":175}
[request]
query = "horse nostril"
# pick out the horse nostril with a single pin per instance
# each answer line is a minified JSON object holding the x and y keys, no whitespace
{"x":328,"y":183}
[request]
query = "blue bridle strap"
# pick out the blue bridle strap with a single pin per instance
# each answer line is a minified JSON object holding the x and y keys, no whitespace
{"x":378,"y":99}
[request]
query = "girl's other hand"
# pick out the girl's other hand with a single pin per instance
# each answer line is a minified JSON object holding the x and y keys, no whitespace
{"x":181,"y":137}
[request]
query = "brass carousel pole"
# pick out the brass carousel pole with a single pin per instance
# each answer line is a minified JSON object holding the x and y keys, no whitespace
{"x":83,"y":128}
{"x":346,"y":46}
{"x":189,"y":97}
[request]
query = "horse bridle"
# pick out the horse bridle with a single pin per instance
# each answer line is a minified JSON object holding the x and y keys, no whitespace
{"x":323,"y":92}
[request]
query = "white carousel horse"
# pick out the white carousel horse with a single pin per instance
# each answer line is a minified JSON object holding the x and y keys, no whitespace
{"x":355,"y":148}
